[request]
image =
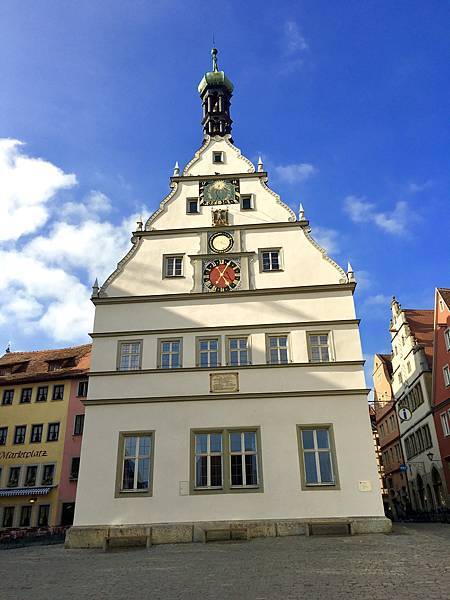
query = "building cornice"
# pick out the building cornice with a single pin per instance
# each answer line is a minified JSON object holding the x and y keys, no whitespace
{"x":255,"y":175}
{"x":304,"y":289}
{"x":341,"y":363}
{"x":247,"y":326}
{"x":235,"y":396}
{"x":304,"y":223}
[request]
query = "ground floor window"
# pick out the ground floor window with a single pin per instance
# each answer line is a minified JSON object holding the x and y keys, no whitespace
{"x":317,"y":456}
{"x":43,"y":515}
{"x":8,"y":516}
{"x":226,"y":460}
{"x":135,"y":462}
{"x":25,"y":516}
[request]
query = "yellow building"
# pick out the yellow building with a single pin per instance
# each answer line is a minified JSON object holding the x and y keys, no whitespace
{"x":40,"y":423}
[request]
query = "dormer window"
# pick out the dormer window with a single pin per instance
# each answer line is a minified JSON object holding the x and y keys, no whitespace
{"x":54,"y":365}
{"x":218,"y":157}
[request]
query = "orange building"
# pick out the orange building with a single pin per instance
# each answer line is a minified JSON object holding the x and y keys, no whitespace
{"x":41,"y":423}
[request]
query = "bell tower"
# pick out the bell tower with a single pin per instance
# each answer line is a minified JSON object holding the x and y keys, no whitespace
{"x":215,"y":90}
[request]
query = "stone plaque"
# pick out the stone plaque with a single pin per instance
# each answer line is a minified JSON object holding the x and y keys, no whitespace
{"x":184,"y":488}
{"x":223,"y":383}
{"x":365,"y":486}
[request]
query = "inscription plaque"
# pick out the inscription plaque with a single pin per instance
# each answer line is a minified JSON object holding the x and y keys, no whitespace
{"x":222,"y":383}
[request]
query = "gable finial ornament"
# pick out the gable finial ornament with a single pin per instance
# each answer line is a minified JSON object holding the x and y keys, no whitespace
{"x":95,"y":289}
{"x":301,"y":212}
{"x":350,"y":273}
{"x":260,"y":165}
{"x":139,"y":224}
{"x":176,"y":170}
{"x":214,"y":59}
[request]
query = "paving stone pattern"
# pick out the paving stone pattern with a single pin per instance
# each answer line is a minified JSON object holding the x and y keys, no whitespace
{"x":413,"y":562}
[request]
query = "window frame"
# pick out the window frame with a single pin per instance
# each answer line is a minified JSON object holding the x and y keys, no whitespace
{"x":50,"y":464}
{"x":11,"y":508}
{"x":75,"y":432}
{"x":166,"y":258}
{"x":203,"y":338}
{"x":317,"y":486}
{"x":49,"y":425}
{"x":38,"y":393}
{"x":119,"y":492}
{"x":84,"y":383}
{"x":27,"y":468}
{"x":26,"y":508}
{"x":119,"y":354}
{"x":33,"y":425}
{"x":228,"y":339}
{"x":446,"y":375}
{"x":26,"y":395}
{"x":24,"y":427}
{"x":19,"y":476}
{"x":3,"y":440}
{"x":220,"y":154}
{"x":226,"y":487}
{"x":41,"y":506}
{"x":447,"y":338}
{"x":9,"y":393}
{"x":188,"y":201}
{"x":328,"y":333}
{"x":161,"y":341}
{"x":58,"y":386}
{"x":71,"y":472}
{"x":250,"y":197}
{"x":277,"y":249}
{"x":288,"y":347}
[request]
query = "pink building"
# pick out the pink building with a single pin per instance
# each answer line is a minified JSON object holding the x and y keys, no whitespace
{"x":72,"y":442}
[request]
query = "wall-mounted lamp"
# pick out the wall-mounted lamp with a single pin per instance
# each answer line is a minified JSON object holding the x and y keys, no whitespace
{"x":32,"y":500}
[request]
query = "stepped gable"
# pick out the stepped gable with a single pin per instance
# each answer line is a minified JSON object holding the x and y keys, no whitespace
{"x":421,"y":325}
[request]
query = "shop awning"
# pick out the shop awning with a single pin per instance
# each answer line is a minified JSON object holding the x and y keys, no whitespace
{"x":25,"y":491}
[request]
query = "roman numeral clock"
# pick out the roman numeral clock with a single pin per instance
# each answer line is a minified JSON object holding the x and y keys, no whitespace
{"x":221,"y":274}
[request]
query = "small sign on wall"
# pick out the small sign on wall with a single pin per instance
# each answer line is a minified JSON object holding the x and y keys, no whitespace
{"x":365,"y":486}
{"x":184,"y":488}
{"x":222,"y":383}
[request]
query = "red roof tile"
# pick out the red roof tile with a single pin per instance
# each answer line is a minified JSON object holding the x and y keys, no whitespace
{"x":28,"y":366}
{"x":421,"y":324}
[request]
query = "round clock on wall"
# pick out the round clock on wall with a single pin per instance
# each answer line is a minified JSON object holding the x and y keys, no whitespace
{"x":221,"y":275}
{"x":221,"y":242}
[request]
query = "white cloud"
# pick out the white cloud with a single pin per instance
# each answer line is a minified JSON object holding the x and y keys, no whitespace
{"x":295,"y":41}
{"x":295,"y":173}
{"x":95,"y":204}
{"x":415,"y":188}
{"x":327,"y":238}
{"x":377,"y":300}
{"x":363,"y":279}
{"x":362,"y":211}
{"x":26,"y":186}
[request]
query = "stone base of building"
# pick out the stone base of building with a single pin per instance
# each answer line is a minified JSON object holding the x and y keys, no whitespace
{"x":104,"y":536}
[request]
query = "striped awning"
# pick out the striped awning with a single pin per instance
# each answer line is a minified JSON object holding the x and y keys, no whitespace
{"x":25,"y":491}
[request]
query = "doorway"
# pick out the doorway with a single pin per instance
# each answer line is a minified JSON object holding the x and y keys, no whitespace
{"x":67,"y":513}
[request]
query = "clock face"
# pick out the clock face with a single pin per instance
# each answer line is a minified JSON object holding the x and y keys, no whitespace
{"x":221,"y":242}
{"x":221,"y":275}
{"x":219,"y":192}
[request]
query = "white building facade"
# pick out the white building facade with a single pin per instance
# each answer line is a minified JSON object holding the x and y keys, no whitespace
{"x":227,"y":387}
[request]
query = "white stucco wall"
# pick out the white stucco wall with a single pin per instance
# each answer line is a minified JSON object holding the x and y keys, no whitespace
{"x":282,"y":496}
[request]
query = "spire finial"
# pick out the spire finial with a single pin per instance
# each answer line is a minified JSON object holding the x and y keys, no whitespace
{"x":260,"y":165}
{"x":301,"y":212}
{"x":176,"y":170}
{"x":350,"y":273}
{"x":214,"y":59}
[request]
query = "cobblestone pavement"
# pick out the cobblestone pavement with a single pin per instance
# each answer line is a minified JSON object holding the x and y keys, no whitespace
{"x":413,"y":562}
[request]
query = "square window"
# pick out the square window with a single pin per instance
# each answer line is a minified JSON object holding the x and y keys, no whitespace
{"x":269,"y":260}
{"x":135,"y":463}
{"x":238,"y":351}
{"x":42,"y":393}
{"x":218,"y":157}
{"x":3,"y":435}
{"x":173,"y":266}
{"x":317,"y":456}
{"x":130,"y":356}
{"x":225,"y":460}
{"x":36,"y":433}
{"x":170,"y":354}
{"x":208,"y":352}
{"x":53,"y":432}
{"x":319,"y":347}
{"x":78,"y":425}
{"x":58,"y":392}
{"x":192,"y":206}
{"x":8,"y":396}
{"x":19,"y":434}
{"x":25,"y":396}
{"x":247,"y":202}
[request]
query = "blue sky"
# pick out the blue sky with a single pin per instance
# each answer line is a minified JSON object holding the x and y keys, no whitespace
{"x":347,"y":103}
